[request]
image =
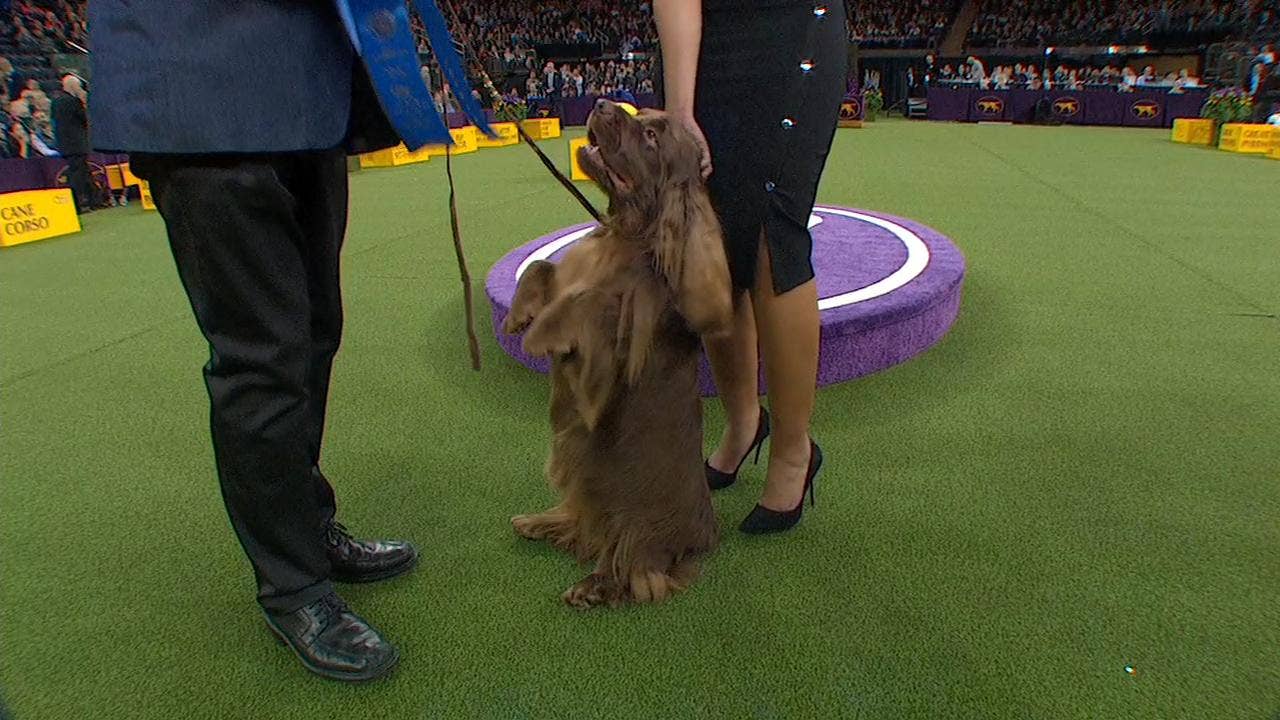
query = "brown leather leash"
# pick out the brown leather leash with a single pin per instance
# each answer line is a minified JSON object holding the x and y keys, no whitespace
{"x":473,"y":342}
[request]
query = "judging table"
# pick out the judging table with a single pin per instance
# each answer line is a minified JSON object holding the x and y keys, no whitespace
{"x":1140,"y":108}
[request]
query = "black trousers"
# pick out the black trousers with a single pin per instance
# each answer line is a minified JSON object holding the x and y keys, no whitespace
{"x":256,"y":240}
{"x":80,"y":181}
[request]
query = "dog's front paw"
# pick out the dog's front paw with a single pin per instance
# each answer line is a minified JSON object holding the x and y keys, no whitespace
{"x":516,"y":323}
{"x":530,"y":527}
{"x":594,"y":591}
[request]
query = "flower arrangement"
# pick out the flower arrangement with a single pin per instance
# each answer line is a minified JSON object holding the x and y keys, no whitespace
{"x":1229,"y":105}
{"x":872,"y":103}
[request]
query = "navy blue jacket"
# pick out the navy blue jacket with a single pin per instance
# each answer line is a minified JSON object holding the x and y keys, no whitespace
{"x":223,"y":76}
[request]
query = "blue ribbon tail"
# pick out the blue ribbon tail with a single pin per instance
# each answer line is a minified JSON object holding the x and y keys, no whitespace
{"x":451,"y":63}
{"x":384,"y":39}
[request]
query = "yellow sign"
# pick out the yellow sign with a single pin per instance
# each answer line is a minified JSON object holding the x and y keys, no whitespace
{"x":400,"y":155}
{"x":1242,"y":138}
{"x":129,"y":177}
{"x":1194,"y":131}
{"x":507,"y":135}
{"x":576,"y":170}
{"x":37,"y":214}
{"x":542,"y":128}
{"x":394,"y":157}
{"x":144,"y":190}
{"x":464,"y":141}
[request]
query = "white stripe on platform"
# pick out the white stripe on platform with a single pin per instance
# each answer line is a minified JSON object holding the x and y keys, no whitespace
{"x":917,"y":257}
{"x":917,"y":261}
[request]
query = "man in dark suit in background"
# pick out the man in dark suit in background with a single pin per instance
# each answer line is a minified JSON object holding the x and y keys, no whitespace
{"x":253,"y":190}
{"x":71,"y":136}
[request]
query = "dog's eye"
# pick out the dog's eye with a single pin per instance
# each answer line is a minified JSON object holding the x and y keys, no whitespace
{"x":651,"y":135}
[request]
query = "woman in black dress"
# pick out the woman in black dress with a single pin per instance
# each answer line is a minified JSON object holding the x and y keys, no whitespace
{"x":762,"y":81}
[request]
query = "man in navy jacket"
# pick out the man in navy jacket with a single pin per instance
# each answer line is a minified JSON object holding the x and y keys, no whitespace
{"x":240,"y":115}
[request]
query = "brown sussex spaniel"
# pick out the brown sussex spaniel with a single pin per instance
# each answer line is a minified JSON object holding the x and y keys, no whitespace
{"x":620,"y":316}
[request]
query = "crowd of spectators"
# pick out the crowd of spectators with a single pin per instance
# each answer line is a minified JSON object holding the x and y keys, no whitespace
{"x":606,"y":77}
{"x":45,"y":26}
{"x":899,"y":23}
{"x":1063,"y":77}
{"x":1037,"y":23}
{"x":25,"y":120}
{"x":30,"y":31}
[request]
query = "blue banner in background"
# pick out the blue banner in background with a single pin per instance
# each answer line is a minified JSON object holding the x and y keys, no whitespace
{"x":381,"y":34}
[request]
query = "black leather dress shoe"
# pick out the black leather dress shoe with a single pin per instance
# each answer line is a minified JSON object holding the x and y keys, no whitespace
{"x":364,"y":561}
{"x":333,"y":642}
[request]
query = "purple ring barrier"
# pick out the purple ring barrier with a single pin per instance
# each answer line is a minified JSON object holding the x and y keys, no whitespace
{"x":889,"y":289}
{"x":1141,"y":108}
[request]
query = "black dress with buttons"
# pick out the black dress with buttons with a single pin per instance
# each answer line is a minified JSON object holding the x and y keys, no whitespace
{"x":771,"y":75}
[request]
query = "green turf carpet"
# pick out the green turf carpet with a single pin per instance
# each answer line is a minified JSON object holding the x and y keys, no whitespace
{"x":1082,"y":476}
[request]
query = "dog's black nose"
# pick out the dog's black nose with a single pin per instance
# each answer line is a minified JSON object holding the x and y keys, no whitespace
{"x":602,"y":104}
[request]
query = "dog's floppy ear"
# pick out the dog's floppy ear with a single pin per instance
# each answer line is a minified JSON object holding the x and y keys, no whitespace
{"x":580,"y":328}
{"x":535,"y":290}
{"x":691,"y":256}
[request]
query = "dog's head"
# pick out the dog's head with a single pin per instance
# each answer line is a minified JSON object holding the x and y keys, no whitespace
{"x":636,"y":159}
{"x":649,"y":165}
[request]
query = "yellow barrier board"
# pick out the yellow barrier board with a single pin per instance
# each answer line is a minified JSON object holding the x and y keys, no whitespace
{"x":1242,"y":138}
{"x":378,"y":158}
{"x":1194,"y":131}
{"x":115,"y":176}
{"x":36,"y":215}
{"x":1275,"y":152}
{"x":575,"y":169}
{"x":400,"y":155}
{"x":507,"y":135}
{"x":129,"y":177}
{"x":542,"y":128}
{"x":464,"y":141}
{"x":144,"y":189}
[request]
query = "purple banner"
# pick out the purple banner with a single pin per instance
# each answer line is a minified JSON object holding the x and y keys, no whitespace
{"x":1142,"y":108}
{"x":574,"y":111}
{"x":43,"y":173}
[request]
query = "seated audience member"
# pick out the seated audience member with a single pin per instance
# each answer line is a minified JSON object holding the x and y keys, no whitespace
{"x":1000,"y":78}
{"x":1128,"y":80}
{"x":1148,"y":77}
{"x":1266,"y":101}
{"x":20,"y":143}
{"x":948,"y":73}
{"x":978,"y":72}
{"x":41,"y":134}
{"x":8,"y":147}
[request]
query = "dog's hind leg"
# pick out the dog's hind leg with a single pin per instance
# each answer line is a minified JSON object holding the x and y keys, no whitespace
{"x":557,"y":526}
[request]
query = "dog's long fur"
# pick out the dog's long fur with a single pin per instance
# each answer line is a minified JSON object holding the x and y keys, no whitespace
{"x":621,"y":317}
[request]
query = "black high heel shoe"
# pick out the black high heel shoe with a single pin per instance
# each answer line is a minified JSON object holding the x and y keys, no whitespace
{"x":763,"y":521}
{"x":717,"y":480}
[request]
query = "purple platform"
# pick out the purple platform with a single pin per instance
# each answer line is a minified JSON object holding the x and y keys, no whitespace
{"x":889,"y":289}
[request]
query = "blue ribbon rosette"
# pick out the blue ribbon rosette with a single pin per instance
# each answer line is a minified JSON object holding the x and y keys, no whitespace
{"x":381,"y":34}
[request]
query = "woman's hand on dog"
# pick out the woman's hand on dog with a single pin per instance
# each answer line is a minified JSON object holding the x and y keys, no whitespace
{"x":704,"y":150}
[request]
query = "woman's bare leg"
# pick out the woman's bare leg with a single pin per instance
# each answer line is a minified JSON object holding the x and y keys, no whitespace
{"x":788,"y":326}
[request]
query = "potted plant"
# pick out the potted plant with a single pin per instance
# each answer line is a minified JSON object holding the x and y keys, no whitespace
{"x":1228,"y":105}
{"x":872,"y":103}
